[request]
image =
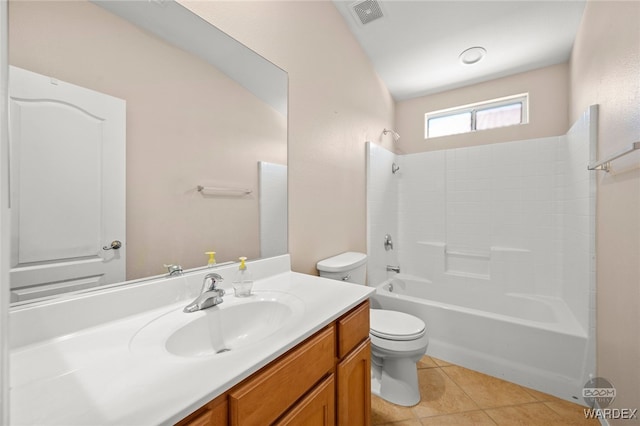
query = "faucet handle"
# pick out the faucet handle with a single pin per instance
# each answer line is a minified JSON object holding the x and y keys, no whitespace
{"x":388,"y":242}
{"x":210,"y":281}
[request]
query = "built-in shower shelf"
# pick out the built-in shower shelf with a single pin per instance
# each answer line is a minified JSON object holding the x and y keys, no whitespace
{"x":481,"y":263}
{"x":509,"y":249}
{"x":469,"y":253}
{"x":485,"y":277}
{"x":432,"y":243}
{"x":467,"y":262}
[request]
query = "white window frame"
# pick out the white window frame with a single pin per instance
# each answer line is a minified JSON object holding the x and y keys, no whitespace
{"x":522,"y":98}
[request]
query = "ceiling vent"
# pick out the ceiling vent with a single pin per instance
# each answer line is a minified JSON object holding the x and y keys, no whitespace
{"x":367,"y":11}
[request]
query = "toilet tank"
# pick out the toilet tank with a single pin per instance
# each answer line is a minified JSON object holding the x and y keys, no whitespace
{"x":349,"y":267}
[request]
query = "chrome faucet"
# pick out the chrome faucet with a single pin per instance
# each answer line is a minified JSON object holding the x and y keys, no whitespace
{"x":393,"y":268}
{"x":388,"y":242}
{"x":210,"y":295}
{"x":174,"y":270}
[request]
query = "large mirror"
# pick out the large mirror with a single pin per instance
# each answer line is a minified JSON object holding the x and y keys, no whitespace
{"x":202,"y":123}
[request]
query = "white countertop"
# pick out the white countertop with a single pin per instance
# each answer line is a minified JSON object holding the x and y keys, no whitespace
{"x":92,"y":377}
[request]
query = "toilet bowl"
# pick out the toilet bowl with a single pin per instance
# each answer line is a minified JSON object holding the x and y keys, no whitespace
{"x":398,"y":340}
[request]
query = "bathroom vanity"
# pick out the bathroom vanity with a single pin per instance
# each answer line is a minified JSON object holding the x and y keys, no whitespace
{"x":296,"y":352}
{"x":326,"y":375}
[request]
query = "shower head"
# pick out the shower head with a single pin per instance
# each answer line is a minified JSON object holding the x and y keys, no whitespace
{"x":395,"y":134}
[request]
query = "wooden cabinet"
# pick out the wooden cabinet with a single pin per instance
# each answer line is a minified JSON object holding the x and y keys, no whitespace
{"x":324,"y":381}
{"x":353,"y":328}
{"x":270,"y":392}
{"x":215,"y":413}
{"x":317,"y":408}
{"x":354,"y":387}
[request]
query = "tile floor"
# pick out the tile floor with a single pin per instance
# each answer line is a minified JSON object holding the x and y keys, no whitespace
{"x":453,"y":395}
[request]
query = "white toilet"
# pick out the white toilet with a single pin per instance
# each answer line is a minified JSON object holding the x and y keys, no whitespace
{"x":398,"y":340}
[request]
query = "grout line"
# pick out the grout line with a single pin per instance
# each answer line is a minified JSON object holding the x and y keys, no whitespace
{"x":558,"y":415}
{"x":547,"y":399}
{"x":457,"y":412}
{"x":535,"y":401}
{"x":461,"y":387}
{"x":489,"y":415}
{"x":486,"y":409}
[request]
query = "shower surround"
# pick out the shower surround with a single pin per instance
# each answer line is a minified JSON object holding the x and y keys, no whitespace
{"x":494,"y":222}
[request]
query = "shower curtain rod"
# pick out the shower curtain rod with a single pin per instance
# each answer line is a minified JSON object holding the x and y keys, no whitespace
{"x":605,"y":164}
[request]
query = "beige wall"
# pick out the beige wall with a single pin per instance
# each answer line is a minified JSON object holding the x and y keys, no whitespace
{"x":187,"y":124}
{"x":548,"y":90}
{"x":336,"y":103}
{"x":605,"y":70}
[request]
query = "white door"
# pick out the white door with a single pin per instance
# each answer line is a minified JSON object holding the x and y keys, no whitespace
{"x":67,"y":154}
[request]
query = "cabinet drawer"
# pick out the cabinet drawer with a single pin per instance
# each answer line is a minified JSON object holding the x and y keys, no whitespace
{"x":268,"y":394}
{"x":315,"y":409}
{"x":353,"y":328}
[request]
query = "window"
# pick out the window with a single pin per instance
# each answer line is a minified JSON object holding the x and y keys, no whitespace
{"x":492,"y":114}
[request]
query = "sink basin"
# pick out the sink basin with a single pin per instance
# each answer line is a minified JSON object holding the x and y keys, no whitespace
{"x":228,"y":327}
{"x":235,"y":324}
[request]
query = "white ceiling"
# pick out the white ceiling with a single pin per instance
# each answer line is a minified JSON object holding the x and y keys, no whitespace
{"x":415,"y":46}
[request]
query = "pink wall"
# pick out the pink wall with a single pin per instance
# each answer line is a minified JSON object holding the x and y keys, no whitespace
{"x":548,"y":90}
{"x":336,"y":103}
{"x":605,"y":70}
{"x":187,"y":124}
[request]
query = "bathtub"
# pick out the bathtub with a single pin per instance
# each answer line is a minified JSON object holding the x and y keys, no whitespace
{"x":526,"y":339}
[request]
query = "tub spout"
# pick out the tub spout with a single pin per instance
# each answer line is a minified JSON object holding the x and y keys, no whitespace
{"x":395,"y":269}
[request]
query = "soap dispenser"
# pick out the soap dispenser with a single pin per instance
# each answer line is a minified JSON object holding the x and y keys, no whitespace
{"x":212,"y":258}
{"x":243,"y":281}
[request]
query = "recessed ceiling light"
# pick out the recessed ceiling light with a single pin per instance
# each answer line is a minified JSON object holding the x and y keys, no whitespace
{"x":472,"y":55}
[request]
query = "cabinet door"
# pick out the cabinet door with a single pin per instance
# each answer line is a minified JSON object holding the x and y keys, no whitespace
{"x":315,"y":409}
{"x":354,"y":387}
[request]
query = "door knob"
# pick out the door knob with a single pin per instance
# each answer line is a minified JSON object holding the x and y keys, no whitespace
{"x":115,"y":245}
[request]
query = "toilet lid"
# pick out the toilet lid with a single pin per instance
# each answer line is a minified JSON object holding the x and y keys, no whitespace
{"x":394,"y":325}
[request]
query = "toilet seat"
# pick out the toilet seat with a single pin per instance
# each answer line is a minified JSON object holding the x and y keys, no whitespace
{"x":393,"y":325}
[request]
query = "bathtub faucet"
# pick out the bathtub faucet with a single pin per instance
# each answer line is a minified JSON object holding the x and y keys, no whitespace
{"x":395,"y":269}
{"x":388,"y":242}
